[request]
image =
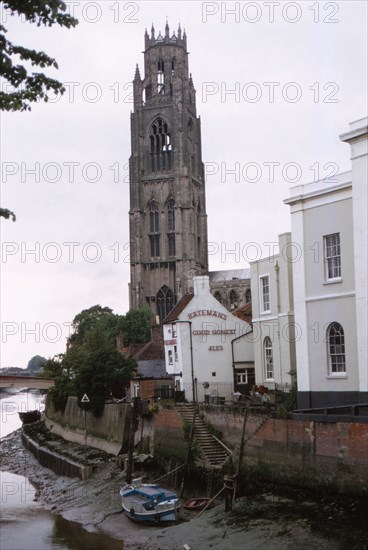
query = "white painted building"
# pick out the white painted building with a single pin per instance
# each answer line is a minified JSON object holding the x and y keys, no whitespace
{"x":329,"y":225}
{"x":273,"y":316}
{"x":207,"y":348}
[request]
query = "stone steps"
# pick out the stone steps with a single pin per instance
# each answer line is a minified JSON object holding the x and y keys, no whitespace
{"x":213,"y":454}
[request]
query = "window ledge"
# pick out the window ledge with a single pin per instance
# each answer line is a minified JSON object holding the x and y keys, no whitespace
{"x":342,"y":376}
{"x":265,"y":312}
{"x":333,"y":281}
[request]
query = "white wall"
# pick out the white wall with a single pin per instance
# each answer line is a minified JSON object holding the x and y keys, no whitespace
{"x":358,"y":140}
{"x":278,"y":324}
{"x":212,"y":329}
{"x":319,"y":209}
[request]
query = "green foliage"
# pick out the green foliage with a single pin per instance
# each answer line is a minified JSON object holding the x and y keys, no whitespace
{"x":290,"y":404}
{"x":64,"y":384}
{"x":64,"y":387}
{"x":92,"y":365}
{"x":137,"y":326}
{"x":88,"y":319}
{"x":103,"y":372}
{"x":36,"y":363}
{"x":30,"y":86}
{"x":5,"y":213}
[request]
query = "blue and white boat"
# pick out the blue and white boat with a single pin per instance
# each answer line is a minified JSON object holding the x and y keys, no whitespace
{"x":149,"y":503}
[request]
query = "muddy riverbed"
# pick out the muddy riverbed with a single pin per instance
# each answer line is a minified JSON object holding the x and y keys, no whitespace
{"x":267,"y":517}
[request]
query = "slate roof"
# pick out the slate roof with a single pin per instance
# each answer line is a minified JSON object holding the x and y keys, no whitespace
{"x":152,"y":369}
{"x":228,"y":275}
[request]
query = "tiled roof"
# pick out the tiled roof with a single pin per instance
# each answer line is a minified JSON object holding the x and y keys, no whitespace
{"x":244,"y":312}
{"x":228,"y":275}
{"x":180,"y":306}
{"x":151,"y":351}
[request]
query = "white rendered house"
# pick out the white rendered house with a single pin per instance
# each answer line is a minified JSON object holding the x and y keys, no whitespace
{"x":205,"y":345}
{"x":329,"y":224}
{"x":274,"y":329}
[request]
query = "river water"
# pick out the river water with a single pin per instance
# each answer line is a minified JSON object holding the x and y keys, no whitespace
{"x":25,"y":525}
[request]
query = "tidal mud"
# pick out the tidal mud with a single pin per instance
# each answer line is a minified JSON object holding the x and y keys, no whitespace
{"x":268,"y":517}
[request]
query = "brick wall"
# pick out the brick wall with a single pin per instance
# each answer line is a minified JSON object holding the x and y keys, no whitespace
{"x":169,"y":440}
{"x":309,"y":453}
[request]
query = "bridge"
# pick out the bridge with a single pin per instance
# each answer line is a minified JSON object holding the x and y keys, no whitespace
{"x":29,"y":382}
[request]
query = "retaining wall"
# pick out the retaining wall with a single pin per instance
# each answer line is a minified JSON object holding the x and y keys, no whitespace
{"x":61,"y":465}
{"x":307,"y":453}
{"x":109,"y":432}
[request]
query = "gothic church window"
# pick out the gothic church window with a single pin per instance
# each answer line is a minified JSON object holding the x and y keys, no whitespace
{"x":154,"y":236}
{"x":154,"y":218}
{"x":165,"y":302}
{"x":218,"y":297}
{"x":171,"y":215}
{"x":171,"y":227}
{"x":248,"y":296}
{"x":160,"y":146}
{"x":233,"y":300}
{"x":160,"y":77}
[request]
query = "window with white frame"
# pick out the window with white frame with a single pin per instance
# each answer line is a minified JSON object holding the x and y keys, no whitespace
{"x":336,"y":349}
{"x":242,"y":376}
{"x":174,"y":333}
{"x":268,"y":358}
{"x":265,"y":294}
{"x":170,"y":356}
{"x":176,"y":353}
{"x":332,"y":256}
{"x":136,"y":390}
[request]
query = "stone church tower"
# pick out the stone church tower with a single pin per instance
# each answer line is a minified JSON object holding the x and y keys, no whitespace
{"x":167,"y":217}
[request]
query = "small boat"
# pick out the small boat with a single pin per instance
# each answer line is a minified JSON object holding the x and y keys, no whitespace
{"x":196,"y":503}
{"x":149,"y":503}
{"x":30,"y":416}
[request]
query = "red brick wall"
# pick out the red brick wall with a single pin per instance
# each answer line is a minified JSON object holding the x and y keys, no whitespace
{"x":311,"y":453}
{"x":169,"y":440}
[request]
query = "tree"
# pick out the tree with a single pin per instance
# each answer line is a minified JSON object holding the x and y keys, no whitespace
{"x":5,"y":213}
{"x":87,"y":320}
{"x":64,"y":383}
{"x":137,"y":326}
{"x":30,"y":87}
{"x":92,"y":363}
{"x":104,"y":372}
{"x":36,"y":363}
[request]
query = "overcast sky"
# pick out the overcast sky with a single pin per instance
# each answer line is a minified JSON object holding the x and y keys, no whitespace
{"x":277,"y":82}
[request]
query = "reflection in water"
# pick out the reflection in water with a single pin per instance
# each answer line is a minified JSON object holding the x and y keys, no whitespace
{"x":76,"y":538}
{"x":24,"y":524}
{"x":13,"y":403}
